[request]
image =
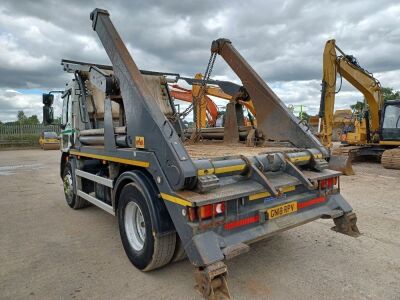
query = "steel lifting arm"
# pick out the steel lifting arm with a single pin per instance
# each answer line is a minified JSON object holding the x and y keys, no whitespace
{"x":144,"y":119}
{"x":273,"y":118}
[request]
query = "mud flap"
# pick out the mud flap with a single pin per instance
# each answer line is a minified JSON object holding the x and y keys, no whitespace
{"x":211,"y":281}
{"x":346,"y":224}
{"x":341,"y":163}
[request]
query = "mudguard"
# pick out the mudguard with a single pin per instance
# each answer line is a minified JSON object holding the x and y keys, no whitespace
{"x":159,"y":215}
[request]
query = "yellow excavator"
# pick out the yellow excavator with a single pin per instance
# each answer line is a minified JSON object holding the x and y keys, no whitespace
{"x":374,"y":132}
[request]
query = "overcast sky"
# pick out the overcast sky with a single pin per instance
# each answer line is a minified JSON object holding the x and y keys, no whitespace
{"x":282,"y":40}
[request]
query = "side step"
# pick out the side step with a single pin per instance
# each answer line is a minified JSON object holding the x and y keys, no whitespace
{"x":97,"y":202}
{"x":98,"y":179}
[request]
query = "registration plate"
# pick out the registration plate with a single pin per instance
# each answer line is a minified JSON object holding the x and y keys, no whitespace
{"x":281,"y":210}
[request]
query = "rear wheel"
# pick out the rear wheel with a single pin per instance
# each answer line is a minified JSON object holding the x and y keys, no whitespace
{"x":143,"y":246}
{"x":72,"y":199}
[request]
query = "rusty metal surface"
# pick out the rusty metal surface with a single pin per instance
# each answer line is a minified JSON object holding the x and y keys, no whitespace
{"x":211,"y":282}
{"x":347,"y":224}
{"x":234,"y":187}
{"x":231,"y":129}
{"x":342,"y":164}
{"x":211,"y":149}
{"x":273,"y":118}
{"x":144,"y":118}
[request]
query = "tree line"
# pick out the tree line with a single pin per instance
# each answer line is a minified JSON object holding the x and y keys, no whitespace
{"x":23,"y":119}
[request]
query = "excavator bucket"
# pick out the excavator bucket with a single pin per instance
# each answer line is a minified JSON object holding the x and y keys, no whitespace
{"x":341,"y":163}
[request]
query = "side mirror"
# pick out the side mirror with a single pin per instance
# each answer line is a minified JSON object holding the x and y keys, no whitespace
{"x":48,"y":99}
{"x":48,"y":113}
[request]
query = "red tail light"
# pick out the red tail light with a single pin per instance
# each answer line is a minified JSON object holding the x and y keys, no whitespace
{"x":210,"y":210}
{"x":328,"y":183}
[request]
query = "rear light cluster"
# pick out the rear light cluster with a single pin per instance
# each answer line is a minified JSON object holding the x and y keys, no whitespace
{"x":328,"y":183}
{"x":206,"y":211}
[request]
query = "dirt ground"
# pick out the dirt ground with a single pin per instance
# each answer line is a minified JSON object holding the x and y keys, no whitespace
{"x":48,"y":251}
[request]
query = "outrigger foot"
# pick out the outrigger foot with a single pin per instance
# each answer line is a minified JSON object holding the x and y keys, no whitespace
{"x":211,"y":281}
{"x":346,"y":224}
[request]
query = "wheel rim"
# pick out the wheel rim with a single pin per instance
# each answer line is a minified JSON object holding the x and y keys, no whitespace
{"x":68,"y":187}
{"x":135,"y":227}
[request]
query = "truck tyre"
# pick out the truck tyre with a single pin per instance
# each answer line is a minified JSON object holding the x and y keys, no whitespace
{"x":144,"y":247}
{"x":180,"y":253}
{"x":72,"y":199}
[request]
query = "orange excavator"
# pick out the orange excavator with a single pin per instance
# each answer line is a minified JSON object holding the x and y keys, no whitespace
{"x":186,"y":95}
{"x":208,"y":110}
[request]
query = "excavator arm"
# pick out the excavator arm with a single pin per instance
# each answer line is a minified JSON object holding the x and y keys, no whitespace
{"x":218,"y":92}
{"x":363,"y":81}
{"x":211,"y":90}
{"x":186,"y":95}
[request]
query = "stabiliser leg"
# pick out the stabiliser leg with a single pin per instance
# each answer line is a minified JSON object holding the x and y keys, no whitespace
{"x":211,"y":281}
{"x":346,"y":224}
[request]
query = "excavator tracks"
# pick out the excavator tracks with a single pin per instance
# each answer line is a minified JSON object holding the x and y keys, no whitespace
{"x":391,"y":159}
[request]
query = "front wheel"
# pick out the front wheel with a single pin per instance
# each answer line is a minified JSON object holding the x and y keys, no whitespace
{"x":72,"y":199}
{"x":143,"y":246}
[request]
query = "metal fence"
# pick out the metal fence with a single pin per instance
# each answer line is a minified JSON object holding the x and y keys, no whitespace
{"x":24,"y":135}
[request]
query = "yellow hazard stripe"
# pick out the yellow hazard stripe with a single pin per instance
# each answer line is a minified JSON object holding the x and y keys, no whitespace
{"x":390,"y":143}
{"x":220,"y":170}
{"x":285,"y":189}
{"x":176,"y":200}
{"x":303,"y":158}
{"x":299,"y":158}
{"x":229,"y":169}
{"x":132,"y":162}
{"x":202,"y":172}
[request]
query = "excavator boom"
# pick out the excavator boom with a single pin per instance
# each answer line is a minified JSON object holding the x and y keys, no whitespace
{"x":363,"y":81}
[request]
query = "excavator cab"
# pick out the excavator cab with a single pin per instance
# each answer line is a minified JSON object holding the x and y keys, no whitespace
{"x":390,"y":121}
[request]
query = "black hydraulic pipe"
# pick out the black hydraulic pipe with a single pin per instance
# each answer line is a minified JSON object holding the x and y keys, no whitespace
{"x":120,"y":141}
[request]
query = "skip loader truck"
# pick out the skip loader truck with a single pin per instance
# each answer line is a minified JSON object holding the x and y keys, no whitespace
{"x":123,"y":149}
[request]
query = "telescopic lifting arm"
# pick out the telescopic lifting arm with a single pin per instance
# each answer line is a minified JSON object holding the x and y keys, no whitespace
{"x":273,"y":118}
{"x":144,"y":119}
